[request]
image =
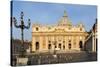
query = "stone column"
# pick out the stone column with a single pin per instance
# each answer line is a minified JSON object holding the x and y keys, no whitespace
{"x":46,"y":43}
{"x":83,"y":38}
{"x":33,"y":44}
{"x":72,"y":45}
{"x":57,"y":42}
{"x":40,"y":43}
{"x":93,"y":44}
{"x":77,"y":43}
{"x":66,"y":42}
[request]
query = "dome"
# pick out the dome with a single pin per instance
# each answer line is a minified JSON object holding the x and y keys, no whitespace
{"x":64,"y":21}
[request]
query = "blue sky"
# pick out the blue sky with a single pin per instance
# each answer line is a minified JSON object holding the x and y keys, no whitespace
{"x":50,"y":13}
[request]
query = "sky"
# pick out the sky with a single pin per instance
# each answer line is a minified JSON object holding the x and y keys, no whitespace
{"x":50,"y":13}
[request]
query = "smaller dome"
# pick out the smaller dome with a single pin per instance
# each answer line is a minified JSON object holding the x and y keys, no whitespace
{"x":36,"y":24}
{"x":80,"y":24}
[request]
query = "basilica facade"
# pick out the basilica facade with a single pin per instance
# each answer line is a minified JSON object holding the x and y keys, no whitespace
{"x":64,"y":36}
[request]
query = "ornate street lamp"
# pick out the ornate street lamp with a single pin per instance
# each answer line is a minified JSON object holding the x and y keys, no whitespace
{"x":22,"y":27}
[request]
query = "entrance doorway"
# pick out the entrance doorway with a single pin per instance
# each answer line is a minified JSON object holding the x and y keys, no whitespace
{"x":69,"y":46}
{"x":37,"y":45}
{"x":80,"y":45}
{"x":60,"y":45}
{"x":49,"y":46}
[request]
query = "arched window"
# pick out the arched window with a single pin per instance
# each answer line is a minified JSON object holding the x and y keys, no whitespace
{"x":69,"y":46}
{"x":37,"y":28}
{"x":63,"y":46}
{"x":37,"y":45}
{"x":96,"y":44}
{"x":80,"y":44}
{"x":49,"y":46}
{"x":69,"y":41}
{"x":55,"y":46}
{"x":60,"y":45}
{"x":49,"y":41}
{"x":69,"y":28}
{"x":80,"y":29}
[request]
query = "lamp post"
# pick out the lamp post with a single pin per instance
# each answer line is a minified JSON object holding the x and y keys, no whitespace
{"x":22,"y":27}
